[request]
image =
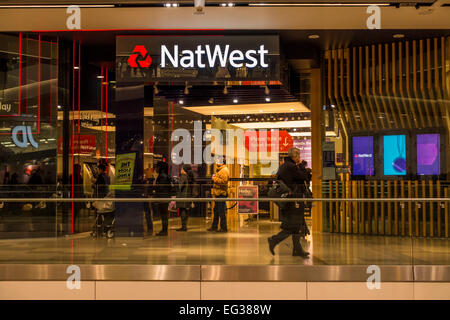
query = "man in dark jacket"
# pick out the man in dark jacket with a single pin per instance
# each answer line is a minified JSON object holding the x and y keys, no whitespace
{"x":101,"y":184}
{"x":292,"y":216}
{"x":162,"y":190}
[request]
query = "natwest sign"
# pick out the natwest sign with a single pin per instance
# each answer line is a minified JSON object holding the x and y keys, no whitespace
{"x":208,"y":57}
{"x":197,"y":58}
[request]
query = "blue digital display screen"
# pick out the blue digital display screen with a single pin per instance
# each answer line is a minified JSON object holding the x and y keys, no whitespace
{"x":394,"y":151}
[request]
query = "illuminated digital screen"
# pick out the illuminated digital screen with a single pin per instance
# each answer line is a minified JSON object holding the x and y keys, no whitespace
{"x":363,"y":162}
{"x":428,"y":154}
{"x":394,"y":155}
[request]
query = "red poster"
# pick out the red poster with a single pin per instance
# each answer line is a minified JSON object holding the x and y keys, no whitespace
{"x":250,"y":206}
{"x":83,"y":144}
{"x":256,"y":141}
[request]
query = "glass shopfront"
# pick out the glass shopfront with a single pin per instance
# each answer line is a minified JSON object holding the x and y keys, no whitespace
{"x":370,"y":120}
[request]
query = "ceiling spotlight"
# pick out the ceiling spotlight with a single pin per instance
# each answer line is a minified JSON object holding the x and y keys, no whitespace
{"x":398,"y":36}
{"x":313,"y":36}
{"x":100,"y":77}
{"x":260,"y":111}
{"x":175,"y":5}
{"x":292,"y":109}
{"x":231,"y":4}
{"x":76,"y":68}
{"x":267,"y":99}
{"x":223,"y":4}
{"x":235,"y":100}
{"x":59,"y":107}
{"x":181,"y":102}
{"x":168,"y":5}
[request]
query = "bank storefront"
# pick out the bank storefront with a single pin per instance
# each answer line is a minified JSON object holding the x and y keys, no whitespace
{"x":370,"y":120}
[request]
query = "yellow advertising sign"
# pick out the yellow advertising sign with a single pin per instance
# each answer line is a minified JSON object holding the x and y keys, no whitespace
{"x":124,"y":170}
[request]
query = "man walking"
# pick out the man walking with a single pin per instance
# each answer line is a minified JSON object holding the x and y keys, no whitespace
{"x":292,"y":216}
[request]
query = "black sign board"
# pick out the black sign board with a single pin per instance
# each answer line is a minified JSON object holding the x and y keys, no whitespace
{"x":197,"y":58}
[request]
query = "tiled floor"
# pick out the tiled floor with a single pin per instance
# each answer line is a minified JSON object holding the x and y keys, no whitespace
{"x":245,"y":245}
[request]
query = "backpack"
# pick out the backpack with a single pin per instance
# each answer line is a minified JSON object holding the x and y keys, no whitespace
{"x":279,"y":190}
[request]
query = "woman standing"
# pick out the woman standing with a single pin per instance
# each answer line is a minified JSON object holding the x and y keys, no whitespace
{"x":185,"y":190}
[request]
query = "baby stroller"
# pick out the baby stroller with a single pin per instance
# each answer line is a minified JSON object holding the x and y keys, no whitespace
{"x":104,"y":218}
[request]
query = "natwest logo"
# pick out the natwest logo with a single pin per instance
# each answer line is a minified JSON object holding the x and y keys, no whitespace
{"x":144,"y":60}
{"x":210,"y":56}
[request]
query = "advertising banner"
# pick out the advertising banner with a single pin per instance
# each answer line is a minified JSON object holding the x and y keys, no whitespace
{"x":83,"y":144}
{"x":125,"y":170}
{"x":363,"y":159}
{"x":304,"y":145}
{"x":249,"y":206}
{"x":256,"y":141}
{"x":394,"y":155}
{"x":197,"y":58}
{"x":428,"y":154}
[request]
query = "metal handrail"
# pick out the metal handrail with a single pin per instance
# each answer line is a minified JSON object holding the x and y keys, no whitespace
{"x":223,"y":199}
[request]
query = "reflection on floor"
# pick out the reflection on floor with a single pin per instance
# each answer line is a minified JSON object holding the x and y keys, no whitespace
{"x":246,"y":245}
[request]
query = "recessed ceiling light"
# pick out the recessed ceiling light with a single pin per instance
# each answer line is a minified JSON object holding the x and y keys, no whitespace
{"x":223,"y":4}
{"x":175,"y":5}
{"x":260,"y":111}
{"x":231,"y":4}
{"x":235,"y":100}
{"x":313,"y":36}
{"x":181,"y":102}
{"x":267,"y":99}
{"x":100,"y":77}
{"x":76,"y":68}
{"x":168,"y":5}
{"x":398,"y":36}
{"x":292,"y":109}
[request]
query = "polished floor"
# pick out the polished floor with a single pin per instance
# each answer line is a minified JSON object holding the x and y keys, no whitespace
{"x":246,"y":244}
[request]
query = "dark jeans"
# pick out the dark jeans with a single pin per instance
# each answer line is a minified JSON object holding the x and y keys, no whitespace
{"x":184,"y":213}
{"x":162,"y":208}
{"x":148,"y":216}
{"x":283,"y":234}
{"x":220,"y":212}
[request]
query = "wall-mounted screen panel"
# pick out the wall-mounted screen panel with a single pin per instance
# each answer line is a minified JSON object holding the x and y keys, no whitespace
{"x":363,"y":158}
{"x":428,"y":154}
{"x":394,"y":151}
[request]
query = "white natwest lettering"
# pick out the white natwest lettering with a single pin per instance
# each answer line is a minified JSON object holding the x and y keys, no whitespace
{"x":190,"y":59}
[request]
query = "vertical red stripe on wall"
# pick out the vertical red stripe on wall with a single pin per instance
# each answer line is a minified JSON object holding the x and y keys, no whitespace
{"x":73,"y":123}
{"x":39,"y":87}
{"x":79,"y":86}
{"x":101,"y":109}
{"x":106,"y":112}
{"x":51,"y":78}
{"x":26,"y":80}
{"x":20,"y":67}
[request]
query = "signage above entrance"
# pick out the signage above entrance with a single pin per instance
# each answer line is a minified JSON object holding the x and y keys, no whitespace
{"x":197,"y":58}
